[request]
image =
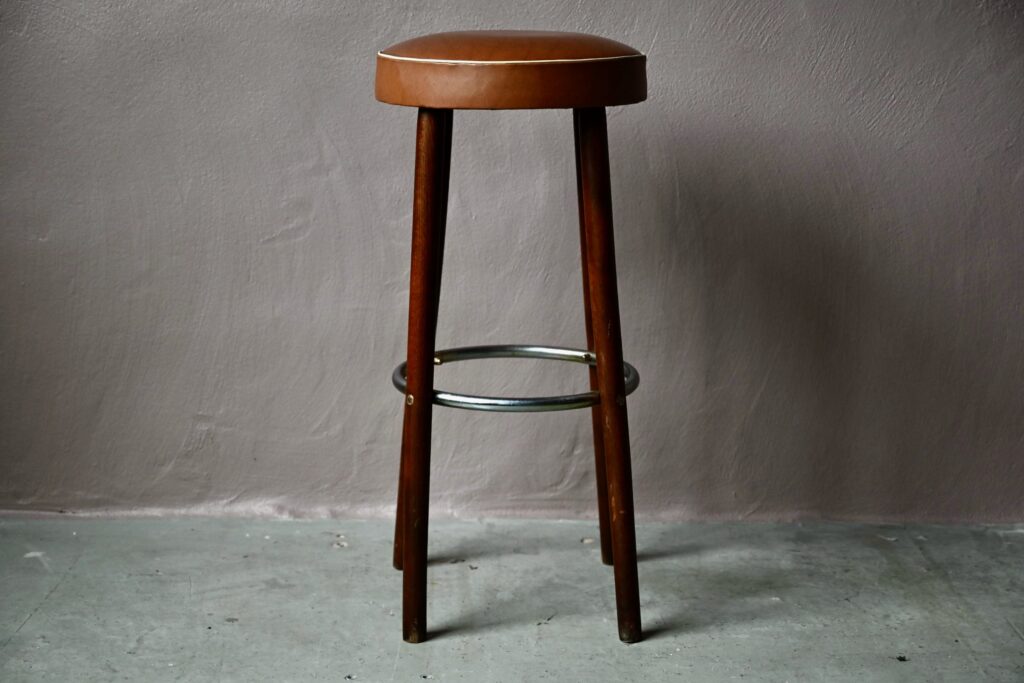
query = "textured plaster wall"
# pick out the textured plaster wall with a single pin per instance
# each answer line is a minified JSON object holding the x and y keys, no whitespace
{"x":205,"y":233}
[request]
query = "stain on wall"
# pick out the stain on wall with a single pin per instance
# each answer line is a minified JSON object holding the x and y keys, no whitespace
{"x":205,"y":233}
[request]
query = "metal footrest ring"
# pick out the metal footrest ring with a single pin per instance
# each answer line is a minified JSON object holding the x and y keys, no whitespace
{"x":517,"y":405}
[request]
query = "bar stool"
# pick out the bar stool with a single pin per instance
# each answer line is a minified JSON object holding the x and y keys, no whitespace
{"x":514,"y":70}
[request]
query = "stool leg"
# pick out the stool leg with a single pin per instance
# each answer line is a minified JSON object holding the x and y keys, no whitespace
{"x":595,"y":412}
{"x":604,"y":301}
{"x":433,"y":145}
{"x":442,"y":178}
{"x":399,"y":547}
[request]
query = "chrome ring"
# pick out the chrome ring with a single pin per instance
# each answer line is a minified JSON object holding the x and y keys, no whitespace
{"x":517,"y":405}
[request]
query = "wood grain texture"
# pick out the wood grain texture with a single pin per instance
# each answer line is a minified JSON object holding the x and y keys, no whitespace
{"x":433,"y":145}
{"x":595,"y":412}
{"x":444,"y":173}
{"x":596,"y":199}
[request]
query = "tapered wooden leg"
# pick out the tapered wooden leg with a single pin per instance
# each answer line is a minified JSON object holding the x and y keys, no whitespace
{"x":444,"y":172}
{"x":433,"y":145}
{"x":595,"y":412}
{"x":604,"y":304}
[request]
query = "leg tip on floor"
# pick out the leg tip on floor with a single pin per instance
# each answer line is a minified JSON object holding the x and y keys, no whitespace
{"x":630,"y":636}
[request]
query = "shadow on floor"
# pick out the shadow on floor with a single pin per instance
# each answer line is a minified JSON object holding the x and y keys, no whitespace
{"x":680,"y":593}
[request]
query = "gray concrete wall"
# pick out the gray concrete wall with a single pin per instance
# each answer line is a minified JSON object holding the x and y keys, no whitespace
{"x":205,"y":234}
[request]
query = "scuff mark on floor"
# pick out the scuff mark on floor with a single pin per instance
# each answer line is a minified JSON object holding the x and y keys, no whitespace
{"x":41,"y":602}
{"x":38,"y":555}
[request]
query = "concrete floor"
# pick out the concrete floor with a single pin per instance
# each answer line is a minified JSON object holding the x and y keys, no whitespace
{"x":248,"y":600}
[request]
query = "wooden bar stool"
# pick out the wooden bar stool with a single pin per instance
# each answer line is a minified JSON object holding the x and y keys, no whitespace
{"x":514,"y":70}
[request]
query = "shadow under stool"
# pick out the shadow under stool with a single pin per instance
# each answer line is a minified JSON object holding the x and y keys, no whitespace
{"x":515,"y":70}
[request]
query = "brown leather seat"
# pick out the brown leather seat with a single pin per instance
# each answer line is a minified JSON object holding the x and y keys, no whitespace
{"x":510,"y":70}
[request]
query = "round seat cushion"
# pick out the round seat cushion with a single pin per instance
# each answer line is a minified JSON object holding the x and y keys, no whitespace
{"x":510,"y":70}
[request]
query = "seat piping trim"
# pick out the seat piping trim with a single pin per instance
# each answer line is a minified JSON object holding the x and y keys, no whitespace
{"x":477,"y":62}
